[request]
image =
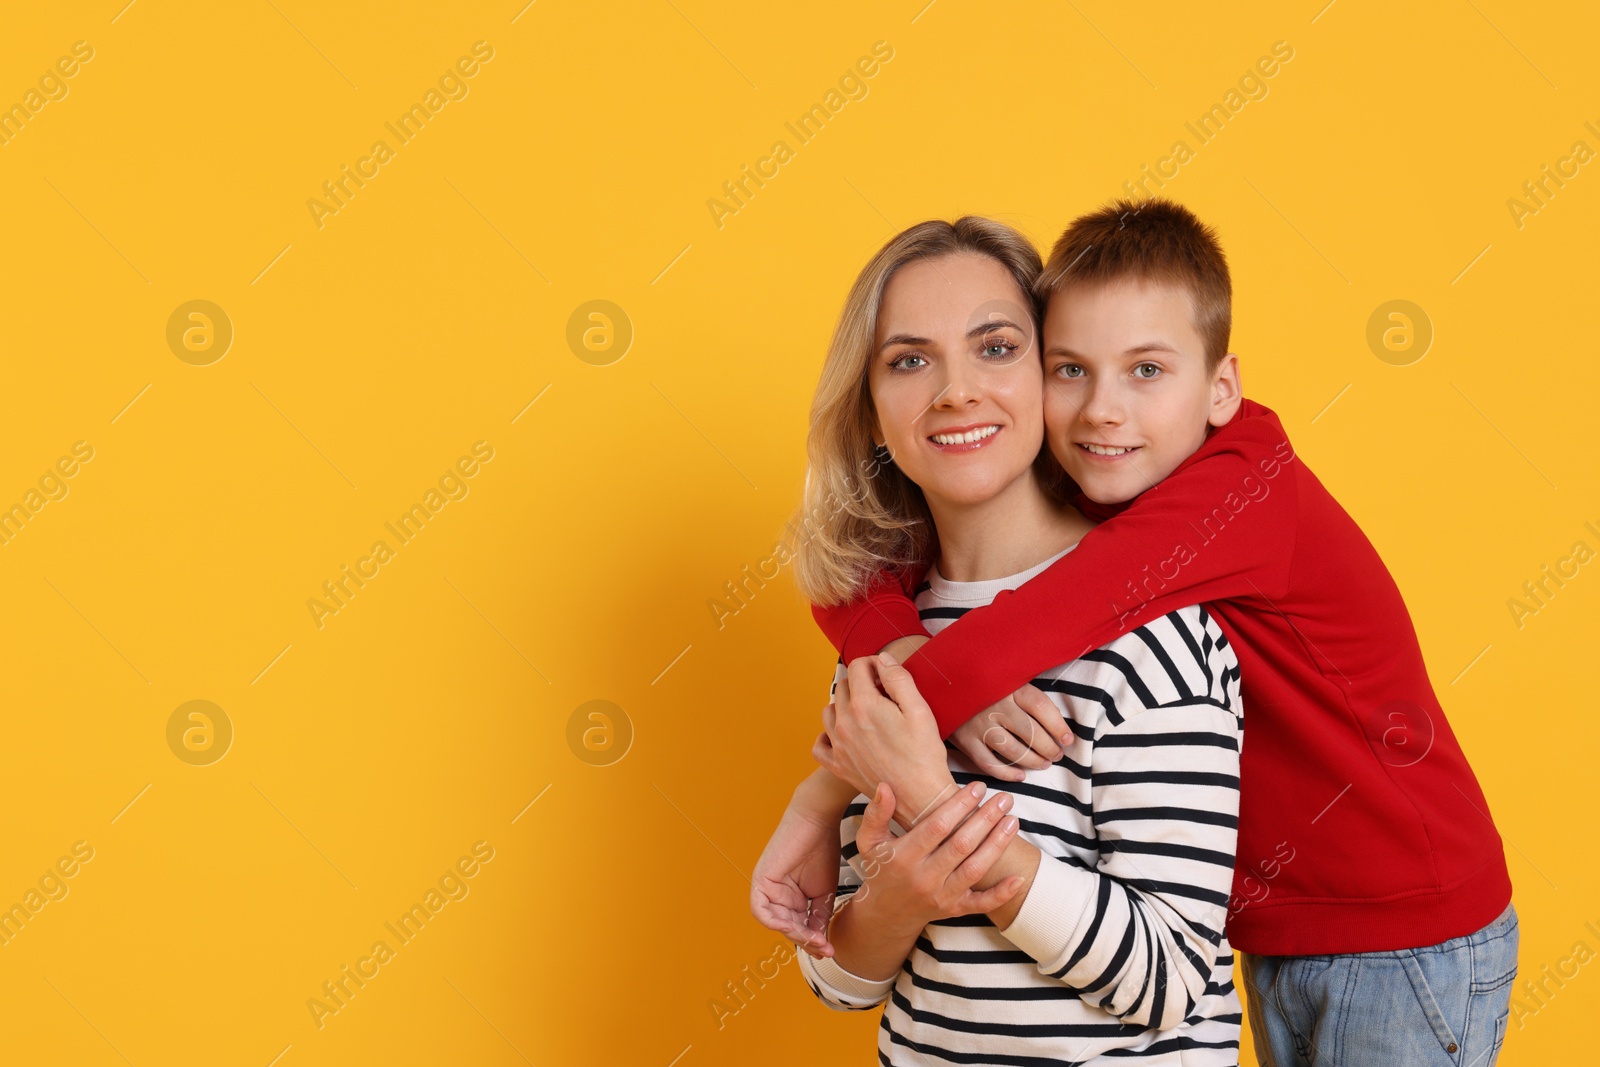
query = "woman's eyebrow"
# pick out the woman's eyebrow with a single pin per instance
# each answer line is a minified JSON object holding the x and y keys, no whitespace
{"x":977,"y":331}
{"x":992,"y":324}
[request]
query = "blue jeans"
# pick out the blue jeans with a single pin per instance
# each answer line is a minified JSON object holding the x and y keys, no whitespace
{"x":1446,"y":1004}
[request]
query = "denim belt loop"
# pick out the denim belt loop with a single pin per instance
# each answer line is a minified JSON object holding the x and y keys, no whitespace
{"x":1430,"y":1006}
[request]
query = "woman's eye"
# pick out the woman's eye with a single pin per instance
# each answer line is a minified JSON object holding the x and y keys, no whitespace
{"x":909,"y":361}
{"x":998,"y":349}
{"x":1147,"y":370}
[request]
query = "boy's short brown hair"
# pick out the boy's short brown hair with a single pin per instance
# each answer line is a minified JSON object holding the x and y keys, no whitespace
{"x":1154,"y":240}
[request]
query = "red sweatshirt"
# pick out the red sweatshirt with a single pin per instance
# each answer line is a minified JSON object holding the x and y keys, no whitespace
{"x":1361,"y":825}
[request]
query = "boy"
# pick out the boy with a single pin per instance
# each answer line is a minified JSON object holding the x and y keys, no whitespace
{"x":1364,"y":839}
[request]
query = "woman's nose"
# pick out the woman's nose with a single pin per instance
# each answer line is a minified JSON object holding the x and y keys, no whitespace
{"x":961,"y":386}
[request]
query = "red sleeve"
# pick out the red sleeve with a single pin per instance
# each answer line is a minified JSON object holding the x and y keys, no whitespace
{"x":1221,"y":526}
{"x":882,"y":614}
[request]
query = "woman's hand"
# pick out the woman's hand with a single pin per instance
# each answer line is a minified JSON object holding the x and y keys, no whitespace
{"x":1023,"y":732}
{"x":797,"y":875}
{"x":928,"y":873}
{"x":879,"y":729}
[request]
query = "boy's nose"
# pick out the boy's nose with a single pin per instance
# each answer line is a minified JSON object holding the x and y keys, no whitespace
{"x":1104,"y":406}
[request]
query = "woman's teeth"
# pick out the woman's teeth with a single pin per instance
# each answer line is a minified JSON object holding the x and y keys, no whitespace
{"x":965,"y":438}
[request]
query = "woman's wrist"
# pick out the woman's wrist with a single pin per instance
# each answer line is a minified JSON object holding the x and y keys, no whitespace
{"x":871,"y":941}
{"x":822,"y":795}
{"x":891,"y":926}
{"x":920,"y":797}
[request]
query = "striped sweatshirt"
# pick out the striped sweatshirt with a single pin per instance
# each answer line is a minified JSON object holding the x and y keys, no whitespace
{"x":1118,"y":953}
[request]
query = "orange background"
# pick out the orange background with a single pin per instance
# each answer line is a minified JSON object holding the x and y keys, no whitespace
{"x":373,"y":346}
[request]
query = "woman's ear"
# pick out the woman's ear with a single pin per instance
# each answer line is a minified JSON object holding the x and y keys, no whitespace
{"x":1226,"y":391}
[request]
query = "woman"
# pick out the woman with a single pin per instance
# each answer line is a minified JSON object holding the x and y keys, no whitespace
{"x":1086,"y":925}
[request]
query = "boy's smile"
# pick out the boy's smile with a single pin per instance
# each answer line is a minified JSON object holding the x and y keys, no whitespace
{"x":1128,"y":396}
{"x":1107,"y":453}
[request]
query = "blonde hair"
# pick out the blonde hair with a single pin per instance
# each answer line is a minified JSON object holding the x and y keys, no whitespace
{"x":860,"y":514}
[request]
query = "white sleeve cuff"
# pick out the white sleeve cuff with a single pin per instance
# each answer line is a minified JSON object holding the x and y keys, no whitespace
{"x":1058,"y":901}
{"x":847,"y":988}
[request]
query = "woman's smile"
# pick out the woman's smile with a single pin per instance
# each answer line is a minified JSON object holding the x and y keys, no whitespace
{"x":969,"y":438}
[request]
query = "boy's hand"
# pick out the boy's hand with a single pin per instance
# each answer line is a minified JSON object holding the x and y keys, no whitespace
{"x":797,"y":875}
{"x":1023,"y":732}
{"x":879,"y":729}
{"x":929,"y":872}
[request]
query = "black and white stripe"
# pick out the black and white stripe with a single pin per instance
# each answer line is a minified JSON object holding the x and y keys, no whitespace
{"x":1118,"y":954}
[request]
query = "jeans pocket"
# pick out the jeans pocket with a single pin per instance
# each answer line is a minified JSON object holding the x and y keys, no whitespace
{"x":1489,"y":1011}
{"x":1412,"y":964}
{"x":1494,"y":968}
{"x":1488,"y":987}
{"x":1494,"y":958}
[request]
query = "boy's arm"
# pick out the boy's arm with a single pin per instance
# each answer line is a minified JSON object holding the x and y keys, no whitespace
{"x":868,"y":624}
{"x":1220,"y":527}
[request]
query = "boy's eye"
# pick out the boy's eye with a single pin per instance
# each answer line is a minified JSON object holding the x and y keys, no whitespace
{"x":1147,"y":370}
{"x":909,"y":361}
{"x":1069,"y":370}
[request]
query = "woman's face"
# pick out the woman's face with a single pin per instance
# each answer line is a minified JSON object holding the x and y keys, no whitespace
{"x":955,"y":377}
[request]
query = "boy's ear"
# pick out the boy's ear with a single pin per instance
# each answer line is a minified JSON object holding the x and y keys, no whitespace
{"x":1226,"y":391}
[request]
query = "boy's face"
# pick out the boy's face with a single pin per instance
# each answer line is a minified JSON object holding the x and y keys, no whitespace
{"x":1127,"y":394}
